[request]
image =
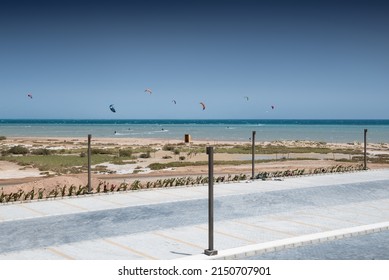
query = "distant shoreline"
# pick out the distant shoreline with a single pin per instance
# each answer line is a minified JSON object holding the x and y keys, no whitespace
{"x":339,"y":131}
{"x":237,"y":121}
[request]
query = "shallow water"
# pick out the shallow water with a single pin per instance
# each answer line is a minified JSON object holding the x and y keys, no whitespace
{"x":336,"y":131}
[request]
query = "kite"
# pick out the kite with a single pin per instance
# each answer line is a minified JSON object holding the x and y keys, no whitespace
{"x":247,"y":98}
{"x":29,"y":95}
{"x":148,"y":90}
{"x":112,"y":108}
{"x":174,"y":101}
{"x":272,"y":107}
{"x":202,"y":104}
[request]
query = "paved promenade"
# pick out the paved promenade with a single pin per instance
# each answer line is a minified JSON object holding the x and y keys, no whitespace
{"x":250,"y":218}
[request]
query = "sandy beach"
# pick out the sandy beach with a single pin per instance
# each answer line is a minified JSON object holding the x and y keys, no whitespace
{"x":14,"y":176}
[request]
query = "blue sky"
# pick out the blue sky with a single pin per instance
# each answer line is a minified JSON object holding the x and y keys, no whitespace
{"x":314,"y":59}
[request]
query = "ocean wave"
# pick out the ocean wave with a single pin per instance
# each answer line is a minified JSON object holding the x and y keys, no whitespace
{"x":159,"y":131}
{"x":121,"y":134}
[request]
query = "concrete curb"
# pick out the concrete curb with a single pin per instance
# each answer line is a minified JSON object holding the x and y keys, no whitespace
{"x":252,"y":250}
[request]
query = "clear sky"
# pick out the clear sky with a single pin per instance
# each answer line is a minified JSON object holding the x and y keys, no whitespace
{"x":310,"y":59}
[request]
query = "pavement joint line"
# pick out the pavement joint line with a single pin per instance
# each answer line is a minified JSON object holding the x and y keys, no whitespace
{"x":178,"y":240}
{"x":170,"y":194}
{"x":32,"y":210}
{"x":127,"y":248}
{"x":199,"y":191}
{"x":154,"y":202}
{"x":383,"y":213}
{"x":221,"y":192}
{"x":144,"y":198}
{"x":264,"y":228}
{"x":19,"y":219}
{"x":376,"y":208}
{"x":302,"y":223}
{"x":335,"y":219}
{"x":381,"y":200}
{"x":358,"y":212}
{"x":73,"y":205}
{"x":229,"y":235}
{"x":252,"y":250}
{"x":109,"y":201}
{"x":59,"y":253}
{"x":385,"y":209}
{"x":380,"y":208}
{"x":44,"y":216}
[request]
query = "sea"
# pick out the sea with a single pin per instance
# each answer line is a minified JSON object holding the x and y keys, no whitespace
{"x":330,"y":131}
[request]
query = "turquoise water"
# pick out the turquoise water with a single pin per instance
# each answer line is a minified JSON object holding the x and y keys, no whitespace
{"x":216,"y":130}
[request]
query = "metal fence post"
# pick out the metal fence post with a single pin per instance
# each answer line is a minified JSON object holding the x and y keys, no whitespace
{"x":253,"y":156}
{"x":210,"y":251}
{"x":89,"y":164}
{"x":364,"y":153}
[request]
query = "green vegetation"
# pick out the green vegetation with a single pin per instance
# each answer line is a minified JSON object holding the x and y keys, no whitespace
{"x":75,"y":160}
{"x":18,"y":150}
{"x":300,"y":172}
{"x":175,"y":164}
{"x":143,"y":149}
{"x":168,"y":147}
{"x":145,"y":155}
{"x":122,"y":152}
{"x":177,"y":149}
{"x":125,"y":152}
{"x":60,"y":164}
{"x":42,"y":152}
{"x":382,"y":158}
{"x":274,"y":149}
{"x":96,"y":151}
{"x":3,"y":138}
{"x":159,"y":166}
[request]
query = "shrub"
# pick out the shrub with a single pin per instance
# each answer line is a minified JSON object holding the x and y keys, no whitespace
{"x":18,"y":150}
{"x":3,"y":137}
{"x":146,"y":155}
{"x":101,"y":151}
{"x":125,"y":153}
{"x":136,"y":185}
{"x":42,"y":152}
{"x":182,"y":158}
{"x":168,"y":147}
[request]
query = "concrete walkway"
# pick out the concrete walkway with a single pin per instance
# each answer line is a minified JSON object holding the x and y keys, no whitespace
{"x":250,"y":217}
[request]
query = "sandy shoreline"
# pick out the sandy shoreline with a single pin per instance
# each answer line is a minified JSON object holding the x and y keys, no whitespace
{"x":14,"y":176}
{"x":119,"y":141}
